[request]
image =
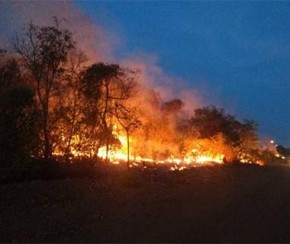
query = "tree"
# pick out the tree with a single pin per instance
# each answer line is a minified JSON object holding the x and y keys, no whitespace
{"x":44,"y":51}
{"x":285,"y":152}
{"x":241,"y":137}
{"x":248,"y":147}
{"x":17,"y":114}
{"x":172,"y":107}
{"x":71,"y":106}
{"x":106,"y":88}
{"x":128,"y":119}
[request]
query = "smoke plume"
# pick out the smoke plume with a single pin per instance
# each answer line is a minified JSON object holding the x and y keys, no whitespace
{"x":96,"y":42}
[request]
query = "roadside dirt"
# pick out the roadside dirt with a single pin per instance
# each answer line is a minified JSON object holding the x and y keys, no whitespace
{"x":209,"y":204}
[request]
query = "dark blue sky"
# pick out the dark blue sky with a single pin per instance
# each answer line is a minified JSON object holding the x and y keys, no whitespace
{"x":240,"y":50}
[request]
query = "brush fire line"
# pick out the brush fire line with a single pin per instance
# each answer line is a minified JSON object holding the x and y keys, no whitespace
{"x":194,"y":158}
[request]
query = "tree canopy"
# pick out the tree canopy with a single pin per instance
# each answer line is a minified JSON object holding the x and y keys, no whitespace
{"x":53,"y":104}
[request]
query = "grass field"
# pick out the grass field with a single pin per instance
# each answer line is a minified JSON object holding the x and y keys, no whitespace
{"x":207,"y":204}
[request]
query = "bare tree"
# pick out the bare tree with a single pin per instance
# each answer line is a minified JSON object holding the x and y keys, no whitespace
{"x":128,"y":119}
{"x":71,"y":108}
{"x":44,"y":51}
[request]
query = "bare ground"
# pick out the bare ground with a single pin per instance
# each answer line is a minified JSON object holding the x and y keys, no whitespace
{"x":210,"y":204}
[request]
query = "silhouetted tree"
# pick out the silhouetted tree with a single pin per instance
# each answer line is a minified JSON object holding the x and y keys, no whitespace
{"x":285,"y":152}
{"x":172,"y":107}
{"x":106,"y":87}
{"x":241,"y":137}
{"x":128,"y":118}
{"x":17,"y":115}
{"x":44,"y":51}
{"x":69,"y":130}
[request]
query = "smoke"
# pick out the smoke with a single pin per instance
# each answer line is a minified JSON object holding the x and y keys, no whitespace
{"x":93,"y":40}
{"x":160,"y":135}
{"x":166,"y":87}
{"x":98,"y":44}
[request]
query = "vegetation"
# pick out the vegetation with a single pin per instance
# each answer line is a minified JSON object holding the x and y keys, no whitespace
{"x":53,"y":106}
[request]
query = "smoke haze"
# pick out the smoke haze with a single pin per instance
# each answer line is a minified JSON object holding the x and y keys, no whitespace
{"x":96,"y":42}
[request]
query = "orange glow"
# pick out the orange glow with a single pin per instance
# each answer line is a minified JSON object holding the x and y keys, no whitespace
{"x":209,"y":154}
{"x":201,"y":152}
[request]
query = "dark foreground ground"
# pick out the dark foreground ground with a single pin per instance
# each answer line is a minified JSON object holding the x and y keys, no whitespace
{"x":210,"y":204}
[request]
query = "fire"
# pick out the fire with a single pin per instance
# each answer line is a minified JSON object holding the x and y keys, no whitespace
{"x":191,"y":159}
{"x":194,"y":158}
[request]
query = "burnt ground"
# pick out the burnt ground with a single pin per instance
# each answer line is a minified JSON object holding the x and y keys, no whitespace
{"x":209,"y":204}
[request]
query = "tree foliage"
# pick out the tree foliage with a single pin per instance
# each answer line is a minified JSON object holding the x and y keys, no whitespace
{"x":17,"y":112}
{"x":53,"y":104}
{"x":240,"y":136}
{"x":107,"y":88}
{"x":44,"y":51}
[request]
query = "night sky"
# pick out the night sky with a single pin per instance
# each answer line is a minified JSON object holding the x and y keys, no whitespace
{"x":235,"y":53}
{"x":240,"y":50}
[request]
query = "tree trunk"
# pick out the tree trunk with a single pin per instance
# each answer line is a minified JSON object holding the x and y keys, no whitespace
{"x":107,"y":149}
{"x":128,"y":149}
{"x":47,"y":146}
{"x":104,"y":119}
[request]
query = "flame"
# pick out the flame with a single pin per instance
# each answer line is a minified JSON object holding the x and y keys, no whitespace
{"x":194,"y":158}
{"x":191,"y":159}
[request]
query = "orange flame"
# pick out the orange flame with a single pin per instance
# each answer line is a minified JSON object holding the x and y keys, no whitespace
{"x":195,"y":157}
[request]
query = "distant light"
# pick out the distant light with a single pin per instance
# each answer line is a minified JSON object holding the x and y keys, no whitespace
{"x":272,"y":141}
